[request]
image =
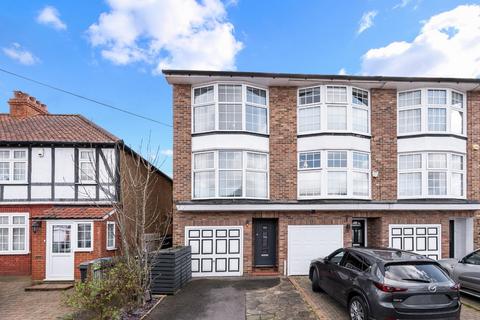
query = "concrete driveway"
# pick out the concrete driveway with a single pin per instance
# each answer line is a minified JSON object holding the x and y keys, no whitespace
{"x":235,"y":299}
{"x":327,"y":308}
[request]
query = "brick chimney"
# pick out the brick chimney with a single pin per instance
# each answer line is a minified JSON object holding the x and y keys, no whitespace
{"x":23,"y":105}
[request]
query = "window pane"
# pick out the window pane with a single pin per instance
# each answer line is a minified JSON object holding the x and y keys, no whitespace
{"x":3,"y":239}
{"x":256,"y":119}
{"x":457,"y":162}
{"x":411,"y":98}
{"x":360,"y":184}
{"x":86,"y":155}
{"x":4,"y":220}
{"x":409,"y":121}
{"x":437,"y":160}
{"x":230,"y":93}
{"x":337,"y":183}
{"x":19,"y":171}
{"x":457,"y":184}
{"x":84,"y":239}
{"x":337,"y":159}
{"x":61,"y":239}
{"x":203,"y":95}
{"x":410,"y":161}
{"x":360,"y":120}
{"x":230,"y":159}
{"x":257,"y":96}
{"x":204,"y":184}
{"x":437,"y":119}
{"x":437,"y":96}
{"x":87,"y":172}
{"x":457,"y":100}
{"x":360,"y":160}
{"x":359,"y":97}
{"x":230,"y":116}
{"x":309,"y":95}
{"x":309,"y":119}
{"x":204,"y":161}
{"x":437,"y":183}
{"x":256,"y":184}
{"x":18,"y":219}
{"x":411,"y":184}
{"x":204,"y":118}
{"x":309,"y":183}
{"x":4,"y":171}
{"x":336,"y":94}
{"x":337,"y":118}
{"x":4,"y":154}
{"x":19,"y":154}
{"x":230,"y":183}
{"x":256,"y":161}
{"x":456,"y":121}
{"x":18,"y":242}
{"x":110,"y":235}
{"x":309,"y":160}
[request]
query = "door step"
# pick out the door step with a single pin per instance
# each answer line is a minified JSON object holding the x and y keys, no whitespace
{"x":265,"y":271}
{"x":51,"y":286}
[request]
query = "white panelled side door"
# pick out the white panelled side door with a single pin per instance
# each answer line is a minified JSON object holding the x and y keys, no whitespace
{"x":60,"y":264}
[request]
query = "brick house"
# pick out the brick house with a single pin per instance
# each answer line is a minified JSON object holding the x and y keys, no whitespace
{"x":60,"y":179}
{"x":272,"y":170}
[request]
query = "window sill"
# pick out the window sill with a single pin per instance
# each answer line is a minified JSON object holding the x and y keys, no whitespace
{"x":13,"y":253}
{"x":84,"y":250}
{"x":111,"y":249}
{"x":333,"y":133}
{"x":230,"y":198}
{"x":199,"y":134}
{"x":15,"y":183}
{"x":447,"y":197}
{"x":430,"y":134}
{"x":333,"y":198}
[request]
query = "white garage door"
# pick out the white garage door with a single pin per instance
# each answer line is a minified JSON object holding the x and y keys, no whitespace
{"x":420,"y":238}
{"x":216,"y":251}
{"x":308,"y":242}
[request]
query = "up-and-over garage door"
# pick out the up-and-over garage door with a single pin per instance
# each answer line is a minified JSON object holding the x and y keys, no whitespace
{"x":308,"y":242}
{"x":423,"y":239}
{"x":216,"y":251}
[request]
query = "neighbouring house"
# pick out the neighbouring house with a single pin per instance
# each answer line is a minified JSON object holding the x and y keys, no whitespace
{"x":272,"y":170}
{"x":61,"y":178}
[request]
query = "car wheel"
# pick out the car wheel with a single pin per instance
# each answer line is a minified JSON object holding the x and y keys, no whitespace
{"x":357,"y":309}
{"x":316,"y":282}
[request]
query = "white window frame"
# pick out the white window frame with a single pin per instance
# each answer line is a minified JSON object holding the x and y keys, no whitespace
{"x":10,"y":226}
{"x":217,"y":170}
{"x":424,"y":106}
{"x":424,"y":175}
{"x":114,"y":247}
{"x":324,"y":104}
{"x":11,"y":161}
{"x":324,"y":169}
{"x":86,"y":249}
{"x":92,"y":161}
{"x":244,"y":104}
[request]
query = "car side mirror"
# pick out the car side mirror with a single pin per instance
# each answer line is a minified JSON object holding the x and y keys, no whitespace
{"x":461,"y":260}
{"x":326,"y":260}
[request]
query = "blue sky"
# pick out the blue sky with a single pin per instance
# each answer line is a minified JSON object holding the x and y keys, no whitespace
{"x":113,"y":50}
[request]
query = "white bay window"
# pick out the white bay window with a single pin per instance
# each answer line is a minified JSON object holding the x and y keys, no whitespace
{"x":431,"y":175}
{"x":230,"y":107}
{"x":333,"y":174}
{"x":230,"y":174}
{"x":14,"y":233}
{"x":333,"y":109}
{"x":431,"y":111}
{"x":13,"y":165}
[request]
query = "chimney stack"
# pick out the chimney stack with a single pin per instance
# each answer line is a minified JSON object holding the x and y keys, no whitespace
{"x":23,"y":105}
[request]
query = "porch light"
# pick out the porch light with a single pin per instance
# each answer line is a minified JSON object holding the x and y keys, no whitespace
{"x":36,"y":225}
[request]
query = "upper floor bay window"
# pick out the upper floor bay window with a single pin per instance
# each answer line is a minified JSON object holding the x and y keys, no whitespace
{"x":333,"y":174}
{"x":431,"y":175}
{"x":230,"y":107}
{"x":333,"y":109}
{"x":230,"y":174}
{"x":13,"y":165}
{"x":431,"y":111}
{"x":86,"y":166}
{"x":13,"y":233}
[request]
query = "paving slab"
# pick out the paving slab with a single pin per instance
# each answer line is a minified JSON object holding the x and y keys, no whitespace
{"x":50,"y":287}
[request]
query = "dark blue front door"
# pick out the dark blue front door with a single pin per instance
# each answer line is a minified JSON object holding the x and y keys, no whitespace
{"x":265,"y":242}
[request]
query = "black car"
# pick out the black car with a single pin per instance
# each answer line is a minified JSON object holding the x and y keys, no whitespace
{"x":379,"y":283}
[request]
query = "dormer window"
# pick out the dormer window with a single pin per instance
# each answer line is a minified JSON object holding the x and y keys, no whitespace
{"x":230,"y":107}
{"x":13,"y":165}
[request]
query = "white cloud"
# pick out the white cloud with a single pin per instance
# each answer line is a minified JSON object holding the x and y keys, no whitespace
{"x":366,"y":21}
{"x":167,"y":152}
{"x":182,"y":34}
{"x":447,"y":45}
{"x":402,"y":4}
{"x":342,"y":71}
{"x":50,"y":16}
{"x":18,"y":53}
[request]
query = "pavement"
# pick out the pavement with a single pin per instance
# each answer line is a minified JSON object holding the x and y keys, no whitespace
{"x":235,"y":299}
{"x":16,"y":303}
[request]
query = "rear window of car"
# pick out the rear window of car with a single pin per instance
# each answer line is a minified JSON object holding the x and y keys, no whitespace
{"x":426,"y":273}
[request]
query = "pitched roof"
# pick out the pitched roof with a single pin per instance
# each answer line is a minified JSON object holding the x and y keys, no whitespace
{"x":75,"y":212}
{"x":52,"y":128}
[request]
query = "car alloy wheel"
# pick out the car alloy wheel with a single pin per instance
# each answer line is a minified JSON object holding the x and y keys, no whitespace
{"x":356,"y":310}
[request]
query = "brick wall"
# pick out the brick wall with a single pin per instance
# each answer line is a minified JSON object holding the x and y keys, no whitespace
{"x":473,"y":156}
{"x":384,"y":143}
{"x":283,"y":143}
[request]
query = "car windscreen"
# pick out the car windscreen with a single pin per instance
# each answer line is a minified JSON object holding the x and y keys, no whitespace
{"x":423,"y":273}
